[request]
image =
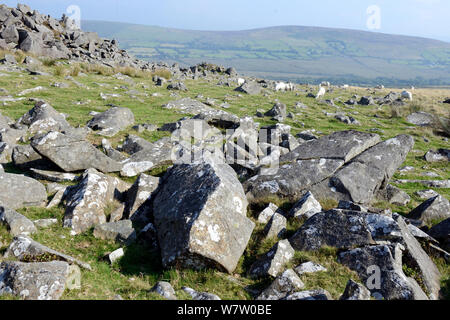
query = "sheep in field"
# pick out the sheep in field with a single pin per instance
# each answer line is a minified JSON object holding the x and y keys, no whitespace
{"x":241,"y":81}
{"x":321,"y":92}
{"x":407,"y":95}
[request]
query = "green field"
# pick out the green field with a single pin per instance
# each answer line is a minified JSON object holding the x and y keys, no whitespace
{"x":301,"y":54}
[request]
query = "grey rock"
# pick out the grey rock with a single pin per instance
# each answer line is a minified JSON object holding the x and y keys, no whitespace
{"x":306,"y":207}
{"x":179,"y":86}
{"x":422,"y":119}
{"x":195,"y":231}
{"x":355,"y":291}
{"x":250,"y":87}
{"x":54,"y":176}
{"x":441,"y":232}
{"x":200,"y":295}
{"x":437,"y":156}
{"x":110,"y":122}
{"x":274,"y":261}
{"x":276,"y":227}
{"x":394,"y":195}
{"x":121,"y":231}
{"x":309,"y":267}
{"x":165,"y":290}
{"x":18,"y":191}
{"x":116,"y":255}
{"x":17,"y":223}
{"x":267,"y":214}
{"x":285,"y":284}
{"x":71,"y":153}
{"x":436,"y":208}
{"x":318,"y":294}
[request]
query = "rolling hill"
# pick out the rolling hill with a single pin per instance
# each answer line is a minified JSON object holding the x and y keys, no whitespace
{"x":292,"y":52}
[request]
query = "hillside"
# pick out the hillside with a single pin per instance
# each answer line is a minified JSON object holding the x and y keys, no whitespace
{"x":293,"y":53}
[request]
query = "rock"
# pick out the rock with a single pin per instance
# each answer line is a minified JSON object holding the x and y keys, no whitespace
{"x":34,"y":281}
{"x":110,"y":122}
{"x":121,"y":231}
{"x":372,"y":169}
{"x":24,"y":249}
{"x":274,"y":261}
{"x":341,"y":145}
{"x":319,"y":294}
{"x":306,"y":207}
{"x":441,"y":232}
{"x":421,"y":119}
{"x":284,"y":285}
{"x":433,"y":209}
{"x":25,"y":157}
{"x":140,"y":193}
{"x":44,"y":118}
{"x":278,"y":112}
{"x":116,"y":255}
{"x":348,"y":205}
{"x":309,"y":267}
{"x":165,"y":290}
{"x":276,"y":226}
{"x":394,"y":195}
{"x":250,"y":87}
{"x":18,"y":191}
{"x":10,"y":34}
{"x":392,"y":283}
{"x":437,"y":156}
{"x":179,"y":86}
{"x":200,"y":295}
{"x":45,"y":223}
{"x":355,"y":291}
{"x":195,"y":231}
{"x":57,"y":198}
{"x":87,"y":200}
{"x":8,"y":59}
{"x":267,"y":214}
{"x":366,"y":101}
{"x":54,"y":176}
{"x":417,"y":257}
{"x":133,"y":144}
{"x":17,"y":223}
{"x":71,"y":153}
{"x":322,"y":230}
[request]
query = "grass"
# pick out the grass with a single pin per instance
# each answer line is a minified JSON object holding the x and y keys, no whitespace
{"x":136,"y":273}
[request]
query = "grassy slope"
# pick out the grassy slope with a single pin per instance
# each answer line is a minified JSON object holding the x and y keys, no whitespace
{"x":290,"y":52}
{"x":137,"y":272}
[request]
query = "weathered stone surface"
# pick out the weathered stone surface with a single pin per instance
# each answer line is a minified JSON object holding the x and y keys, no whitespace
{"x":200,"y":295}
{"x":276,"y":227}
{"x":436,"y":208}
{"x":120,"y":231}
{"x":207,"y":225}
{"x":422,"y":119}
{"x":441,"y":232}
{"x":394,"y":195}
{"x":54,"y":176}
{"x":291,"y":180}
{"x":34,"y":281}
{"x":24,"y":157}
{"x":285,"y":284}
{"x":45,"y":223}
{"x":44,"y":118}
{"x":250,"y":87}
{"x":309,"y":267}
{"x":17,"y":223}
{"x":416,"y":256}
{"x":394,"y":285}
{"x":355,"y":291}
{"x":116,"y":255}
{"x":437,"y":156}
{"x":165,"y":290}
{"x":140,"y":193}
{"x":372,"y":169}
{"x":87,"y":200}
{"x":334,"y":228}
{"x":110,"y":122}
{"x":17,"y":191}
{"x":274,"y":261}
{"x":306,"y":207}
{"x":71,"y":153}
{"x":278,"y":112}
{"x":341,"y":145}
{"x":24,"y":248}
{"x":318,"y":294}
{"x":267,"y":214}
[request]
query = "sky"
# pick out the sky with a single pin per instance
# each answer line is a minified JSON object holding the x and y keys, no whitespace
{"x":424,"y":18}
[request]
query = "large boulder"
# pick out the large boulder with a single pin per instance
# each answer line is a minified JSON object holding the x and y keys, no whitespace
{"x":441,"y":232}
{"x":17,"y":191}
{"x":17,"y":223}
{"x":392,"y":283}
{"x":206,"y":224}
{"x":10,"y":34}
{"x":87,"y":200}
{"x":250,"y":87}
{"x":110,"y":122}
{"x":421,"y":119}
{"x":71,"y":153}
{"x":34,"y":281}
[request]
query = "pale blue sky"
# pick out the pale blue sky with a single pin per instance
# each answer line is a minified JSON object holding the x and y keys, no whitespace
{"x":426,"y":18}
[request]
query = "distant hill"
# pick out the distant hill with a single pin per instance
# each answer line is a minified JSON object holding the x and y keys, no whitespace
{"x":293,"y":52}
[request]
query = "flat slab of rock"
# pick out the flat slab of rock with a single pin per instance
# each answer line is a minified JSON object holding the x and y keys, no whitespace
{"x":318,"y":294}
{"x":17,"y":223}
{"x":71,"y":153}
{"x":207,"y":225}
{"x":34,"y":281}
{"x":18,"y":191}
{"x":433,"y":209}
{"x":54,"y":176}
{"x":422,"y":119}
{"x":110,"y":122}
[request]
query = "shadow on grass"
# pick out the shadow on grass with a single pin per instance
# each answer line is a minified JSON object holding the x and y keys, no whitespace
{"x":140,"y":259}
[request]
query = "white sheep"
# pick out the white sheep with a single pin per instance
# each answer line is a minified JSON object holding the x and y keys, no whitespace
{"x":321,"y":92}
{"x":407,"y":95}
{"x":280,"y":86}
{"x":241,"y":81}
{"x":325,"y":84}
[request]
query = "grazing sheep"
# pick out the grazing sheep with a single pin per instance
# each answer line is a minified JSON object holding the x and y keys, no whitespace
{"x":241,"y":81}
{"x":280,"y":86}
{"x":407,"y":95}
{"x":325,"y":84}
{"x":321,"y":92}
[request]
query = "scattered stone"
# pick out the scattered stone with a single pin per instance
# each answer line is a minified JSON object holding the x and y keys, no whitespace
{"x":110,"y":122}
{"x":421,"y":119}
{"x":318,"y":294}
{"x":121,"y":231}
{"x":17,"y":223}
{"x":274,"y":261}
{"x":355,"y":291}
{"x":437,"y":156}
{"x":200,"y":295}
{"x":436,"y":208}
{"x":267,"y":214}
{"x":306,"y":207}
{"x":45,"y":223}
{"x":309,"y":267}
{"x":18,"y":191}
{"x":116,"y":255}
{"x":283,"y":286}
{"x":165,"y":290}
{"x":276,"y":227}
